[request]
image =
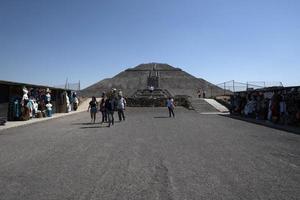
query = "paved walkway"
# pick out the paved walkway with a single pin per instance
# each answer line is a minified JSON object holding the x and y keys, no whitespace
{"x":292,"y":129}
{"x":149,"y":157}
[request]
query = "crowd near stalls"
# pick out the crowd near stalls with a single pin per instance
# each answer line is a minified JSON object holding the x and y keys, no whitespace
{"x":24,"y":101}
{"x":278,"y":105}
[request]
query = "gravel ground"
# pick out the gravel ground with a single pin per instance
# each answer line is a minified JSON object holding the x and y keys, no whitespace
{"x":149,"y":156}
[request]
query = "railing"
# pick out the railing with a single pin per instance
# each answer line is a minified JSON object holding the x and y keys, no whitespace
{"x":229,"y":87}
{"x":70,"y":86}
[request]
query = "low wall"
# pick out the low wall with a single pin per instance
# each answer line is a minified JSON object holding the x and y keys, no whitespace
{"x":159,"y":102}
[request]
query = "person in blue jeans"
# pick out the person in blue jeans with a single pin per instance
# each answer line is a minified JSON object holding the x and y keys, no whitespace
{"x":171,"y":106}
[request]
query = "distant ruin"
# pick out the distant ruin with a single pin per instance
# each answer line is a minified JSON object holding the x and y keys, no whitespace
{"x":163,"y":78}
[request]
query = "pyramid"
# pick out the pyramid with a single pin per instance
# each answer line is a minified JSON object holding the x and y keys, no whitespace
{"x":163,"y":76}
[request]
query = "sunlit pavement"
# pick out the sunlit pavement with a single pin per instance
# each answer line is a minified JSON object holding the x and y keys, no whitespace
{"x":149,"y":156}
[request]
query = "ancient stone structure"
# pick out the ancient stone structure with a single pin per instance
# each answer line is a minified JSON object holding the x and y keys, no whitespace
{"x":164,"y":79}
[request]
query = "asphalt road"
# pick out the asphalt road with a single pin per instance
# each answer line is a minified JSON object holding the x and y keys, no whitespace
{"x":149,"y":156}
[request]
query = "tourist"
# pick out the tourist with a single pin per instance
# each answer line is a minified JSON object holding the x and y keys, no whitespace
{"x":102,"y":108}
{"x":121,"y":107}
{"x":171,"y":106}
{"x":151,"y":88}
{"x":204,"y":94}
{"x":109,"y":107}
{"x":199,"y":93}
{"x":93,"y":109}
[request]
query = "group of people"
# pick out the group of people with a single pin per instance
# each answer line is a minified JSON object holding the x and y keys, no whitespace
{"x":203,"y":93}
{"x":279,"y":106}
{"x":109,"y":103}
{"x":115,"y":102}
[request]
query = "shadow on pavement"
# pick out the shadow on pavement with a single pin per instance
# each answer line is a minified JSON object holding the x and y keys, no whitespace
{"x":160,"y":117}
{"x":86,"y":127}
{"x":87,"y":123}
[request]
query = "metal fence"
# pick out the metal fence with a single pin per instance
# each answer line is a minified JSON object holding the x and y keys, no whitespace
{"x":229,"y":87}
{"x":70,"y":86}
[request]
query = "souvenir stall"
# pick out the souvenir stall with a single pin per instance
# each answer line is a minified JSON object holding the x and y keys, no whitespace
{"x":280,"y":105}
{"x":21,"y":101}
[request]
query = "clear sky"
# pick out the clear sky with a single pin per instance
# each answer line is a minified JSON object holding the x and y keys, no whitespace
{"x":46,"y":41}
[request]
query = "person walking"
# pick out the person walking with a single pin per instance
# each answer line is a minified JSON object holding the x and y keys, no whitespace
{"x":203,"y":94}
{"x":93,"y":109}
{"x":121,"y":107}
{"x":102,"y":108}
{"x":199,"y":93}
{"x":110,"y":107}
{"x":171,"y":106}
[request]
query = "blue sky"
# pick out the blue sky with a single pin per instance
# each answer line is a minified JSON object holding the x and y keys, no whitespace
{"x":46,"y":41}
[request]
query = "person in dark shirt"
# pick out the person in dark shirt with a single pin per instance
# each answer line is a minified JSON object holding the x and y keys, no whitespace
{"x":93,"y":109}
{"x":110,"y":107}
{"x":102,"y":108}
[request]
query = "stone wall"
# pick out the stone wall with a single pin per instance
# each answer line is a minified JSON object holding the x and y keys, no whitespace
{"x":158,"y":102}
